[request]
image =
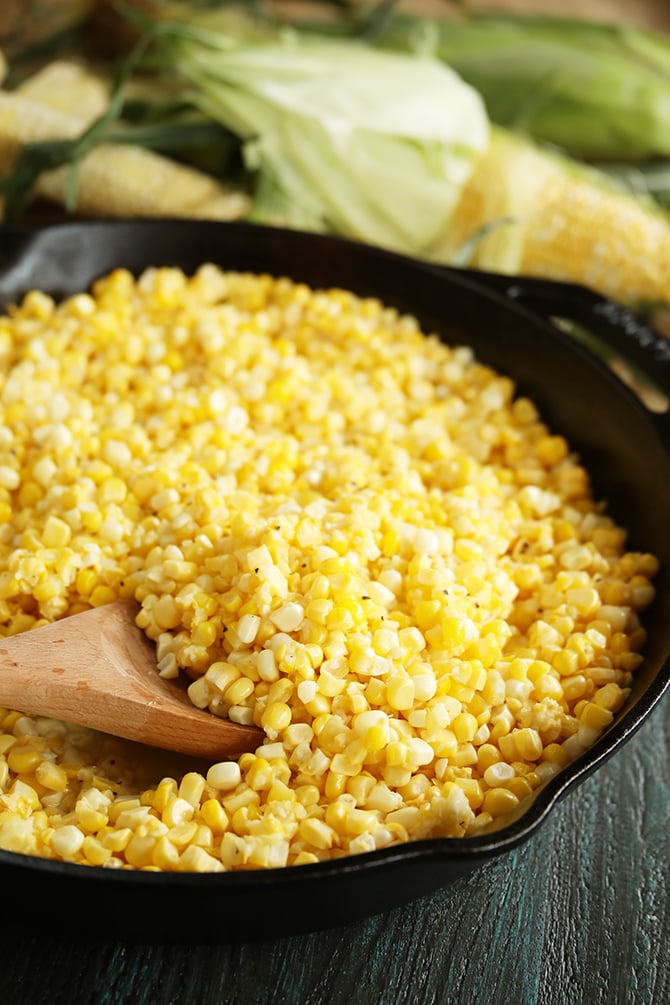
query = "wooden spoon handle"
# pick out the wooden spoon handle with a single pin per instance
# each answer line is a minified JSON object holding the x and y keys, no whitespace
{"x":98,"y":669}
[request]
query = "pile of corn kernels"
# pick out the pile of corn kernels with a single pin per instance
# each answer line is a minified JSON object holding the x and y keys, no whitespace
{"x":340,"y":530}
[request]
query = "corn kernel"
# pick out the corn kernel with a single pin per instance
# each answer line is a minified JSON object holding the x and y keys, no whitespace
{"x":499,"y":801}
{"x":23,"y":760}
{"x":214,"y":815}
{"x":224,"y":776}
{"x":67,"y":840}
{"x":276,"y":718}
{"x":594,"y":716}
{"x":317,"y":833}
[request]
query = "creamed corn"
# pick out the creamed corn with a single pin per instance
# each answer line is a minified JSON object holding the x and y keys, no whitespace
{"x":338,"y":529}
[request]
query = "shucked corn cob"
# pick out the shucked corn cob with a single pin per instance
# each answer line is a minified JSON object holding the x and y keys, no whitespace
{"x":553,"y":219}
{"x":341,"y":530}
{"x":113,"y":180}
{"x":67,"y":87}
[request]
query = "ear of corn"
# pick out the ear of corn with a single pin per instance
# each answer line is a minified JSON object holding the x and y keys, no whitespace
{"x":67,"y":87}
{"x":542,"y":215}
{"x":113,"y":180}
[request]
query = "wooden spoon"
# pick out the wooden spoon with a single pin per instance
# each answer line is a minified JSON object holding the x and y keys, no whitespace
{"x":98,"y":669}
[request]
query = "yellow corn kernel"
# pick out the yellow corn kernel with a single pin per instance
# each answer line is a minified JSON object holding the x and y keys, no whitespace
{"x":139,"y":851}
{"x":280,"y":792}
{"x":166,"y":790}
{"x":499,"y":801}
{"x":305,"y":858}
{"x":308,"y":795}
{"x":508,"y":747}
{"x":260,"y":774}
{"x":360,"y":821}
{"x":183,"y":833}
{"x":400,"y":692}
{"x":594,"y":716}
{"x":487,"y":754}
{"x":23,"y":760}
{"x":221,"y":675}
{"x":165,"y":854}
{"x":444,"y":742}
{"x":89,"y":819}
{"x":166,"y":613}
{"x":95,"y":852}
{"x":51,"y":776}
{"x":56,"y":533}
{"x":336,"y":784}
{"x":528,"y":744}
{"x":276,"y":717}
{"x":391,"y":543}
{"x":214,"y":815}
{"x":191,"y":788}
{"x":519,"y":787}
{"x":426,"y":613}
{"x":239,"y":691}
{"x":555,"y":754}
{"x":86,"y":581}
{"x":336,"y":816}
{"x":465,"y":756}
{"x":317,"y":833}
{"x":611,"y":697}
{"x":115,"y":839}
{"x":102,"y":595}
{"x":453,"y":631}
{"x":574,"y":687}
{"x":360,"y":787}
{"x":205,"y":634}
{"x":472,"y":788}
{"x":548,"y":686}
{"x":350,"y":761}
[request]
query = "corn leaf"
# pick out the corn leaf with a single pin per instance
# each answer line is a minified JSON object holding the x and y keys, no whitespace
{"x":36,"y":158}
{"x":342,"y":137}
{"x":597,"y":91}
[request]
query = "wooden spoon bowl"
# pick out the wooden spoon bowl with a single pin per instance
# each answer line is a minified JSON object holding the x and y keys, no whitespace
{"x":98,"y":669}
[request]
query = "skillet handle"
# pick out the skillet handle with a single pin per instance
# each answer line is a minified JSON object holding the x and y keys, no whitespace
{"x":617,"y":326}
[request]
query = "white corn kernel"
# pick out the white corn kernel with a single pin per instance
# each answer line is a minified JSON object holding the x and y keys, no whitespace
{"x":224,"y":776}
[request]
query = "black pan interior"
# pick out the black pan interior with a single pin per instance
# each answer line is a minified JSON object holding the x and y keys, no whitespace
{"x":620,"y":442}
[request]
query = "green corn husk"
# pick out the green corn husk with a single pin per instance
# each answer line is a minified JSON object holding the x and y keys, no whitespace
{"x":341,"y":136}
{"x":597,"y":91}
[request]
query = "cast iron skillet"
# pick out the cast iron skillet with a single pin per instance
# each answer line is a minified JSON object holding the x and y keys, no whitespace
{"x":508,"y":323}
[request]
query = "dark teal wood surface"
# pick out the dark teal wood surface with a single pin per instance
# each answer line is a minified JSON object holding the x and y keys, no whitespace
{"x":579,"y":914}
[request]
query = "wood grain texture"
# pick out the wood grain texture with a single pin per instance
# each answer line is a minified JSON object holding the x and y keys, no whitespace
{"x":98,"y":669}
{"x":579,"y":915}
